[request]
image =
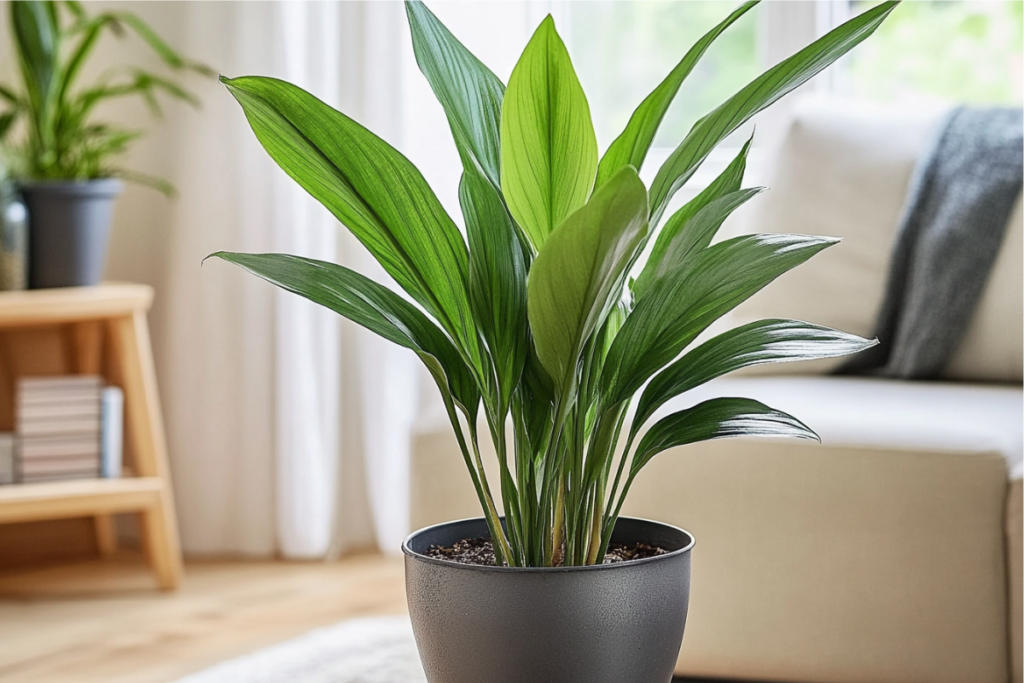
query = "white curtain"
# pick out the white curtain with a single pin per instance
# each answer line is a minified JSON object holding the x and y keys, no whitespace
{"x":288,"y":429}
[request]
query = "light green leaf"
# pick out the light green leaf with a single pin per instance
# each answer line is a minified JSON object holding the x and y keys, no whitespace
{"x":718,"y":418}
{"x":631,"y":147}
{"x":757,"y":343}
{"x":579,"y":274}
{"x":728,"y":181}
{"x":759,"y":94}
{"x":497,"y":280}
{"x":681,"y":305}
{"x":373,"y":190}
{"x":369,"y":304}
{"x":548,"y":147}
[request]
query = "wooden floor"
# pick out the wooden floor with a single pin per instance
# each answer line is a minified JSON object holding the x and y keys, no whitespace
{"x":104,"y":622}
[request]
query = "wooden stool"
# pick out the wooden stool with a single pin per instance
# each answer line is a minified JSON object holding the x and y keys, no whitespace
{"x":105,"y":332}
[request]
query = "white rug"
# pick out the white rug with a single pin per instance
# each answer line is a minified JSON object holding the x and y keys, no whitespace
{"x":372,"y":650}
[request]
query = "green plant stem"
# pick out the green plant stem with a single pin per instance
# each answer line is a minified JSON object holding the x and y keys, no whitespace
{"x":558,"y":527}
{"x":497,"y":534}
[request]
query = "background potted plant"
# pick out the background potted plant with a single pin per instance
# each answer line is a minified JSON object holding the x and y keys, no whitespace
{"x":546,"y":315}
{"x":62,"y":156}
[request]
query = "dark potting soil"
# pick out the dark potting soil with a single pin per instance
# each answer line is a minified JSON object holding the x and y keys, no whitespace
{"x":480,"y":551}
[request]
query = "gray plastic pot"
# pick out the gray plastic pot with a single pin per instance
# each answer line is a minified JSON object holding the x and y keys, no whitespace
{"x":613,"y":623}
{"x":69,"y":229}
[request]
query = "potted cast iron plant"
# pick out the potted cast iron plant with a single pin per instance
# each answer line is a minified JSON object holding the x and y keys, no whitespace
{"x":543,"y":315}
{"x":63,"y":158}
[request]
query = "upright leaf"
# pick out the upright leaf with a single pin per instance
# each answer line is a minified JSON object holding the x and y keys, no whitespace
{"x":579,"y":274}
{"x":497,"y":280}
{"x":728,"y":181}
{"x":718,"y":418}
{"x":365,"y":303}
{"x":548,"y":147}
{"x":37,"y":35}
{"x":373,"y":190}
{"x":681,"y":305}
{"x":760,"y":93}
{"x":757,"y":343}
{"x":631,"y":147}
{"x":469,"y":93}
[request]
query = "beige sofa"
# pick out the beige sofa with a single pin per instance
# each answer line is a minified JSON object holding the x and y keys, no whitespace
{"x":890,"y":553}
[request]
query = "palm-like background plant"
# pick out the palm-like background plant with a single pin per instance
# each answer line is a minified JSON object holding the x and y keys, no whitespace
{"x":534,"y":314}
{"x":62,"y":139}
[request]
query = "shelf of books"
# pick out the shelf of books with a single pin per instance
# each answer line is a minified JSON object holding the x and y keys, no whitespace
{"x":86,"y":440}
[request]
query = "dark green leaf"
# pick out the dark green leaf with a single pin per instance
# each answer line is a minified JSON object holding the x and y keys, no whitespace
{"x":365,"y":303}
{"x":757,"y":343}
{"x":497,"y":280}
{"x":727,"y":182}
{"x":718,"y":418}
{"x":373,"y":190}
{"x":37,"y":38}
{"x":760,"y":93}
{"x":631,"y":147}
{"x":548,"y":148}
{"x":469,"y":93}
{"x":579,"y":274}
{"x":681,"y":305}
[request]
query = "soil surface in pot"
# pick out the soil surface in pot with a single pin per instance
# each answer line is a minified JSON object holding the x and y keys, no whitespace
{"x":480,"y":551}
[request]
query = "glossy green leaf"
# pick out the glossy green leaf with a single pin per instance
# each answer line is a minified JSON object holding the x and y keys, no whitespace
{"x":373,"y":190}
{"x":365,"y":303}
{"x":579,"y":274}
{"x":718,"y":418}
{"x":757,"y":343}
{"x":759,"y":94}
{"x":469,"y":93}
{"x":497,"y":280}
{"x":548,"y":147}
{"x":631,"y":147}
{"x":685,"y":240}
{"x":727,"y":182}
{"x":681,"y":305}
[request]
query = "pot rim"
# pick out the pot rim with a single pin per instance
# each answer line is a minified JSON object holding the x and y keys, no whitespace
{"x":93,"y":185}
{"x":409,"y":552}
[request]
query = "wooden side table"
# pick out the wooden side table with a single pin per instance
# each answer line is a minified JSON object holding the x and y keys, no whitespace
{"x":105,"y":332}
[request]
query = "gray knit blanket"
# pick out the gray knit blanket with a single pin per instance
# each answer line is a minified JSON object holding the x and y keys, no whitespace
{"x":959,"y":201}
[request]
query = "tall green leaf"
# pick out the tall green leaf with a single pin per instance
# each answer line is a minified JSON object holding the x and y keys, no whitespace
{"x":579,"y":274}
{"x":681,"y":305}
{"x":373,"y":190}
{"x":632,"y":145}
{"x":469,"y":93}
{"x":37,"y":36}
{"x":760,"y":93}
{"x":497,"y":280}
{"x":365,"y":303}
{"x":548,"y":147}
{"x":757,"y":343}
{"x":718,"y":418}
{"x":728,"y":181}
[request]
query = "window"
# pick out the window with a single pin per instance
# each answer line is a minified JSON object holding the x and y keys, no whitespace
{"x":622,"y":50}
{"x":948,"y":51}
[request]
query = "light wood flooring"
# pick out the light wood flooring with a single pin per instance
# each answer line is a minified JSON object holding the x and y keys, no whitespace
{"x":103,"y":621}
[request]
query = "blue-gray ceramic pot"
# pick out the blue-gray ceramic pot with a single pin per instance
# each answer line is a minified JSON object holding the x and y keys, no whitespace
{"x":613,"y":623}
{"x":69,"y":229}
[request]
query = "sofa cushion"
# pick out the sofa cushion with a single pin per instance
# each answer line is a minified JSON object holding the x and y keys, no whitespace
{"x":843,"y":170}
{"x":890,"y":414}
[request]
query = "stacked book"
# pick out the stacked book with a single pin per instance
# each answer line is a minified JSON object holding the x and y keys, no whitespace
{"x":63,"y":431}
